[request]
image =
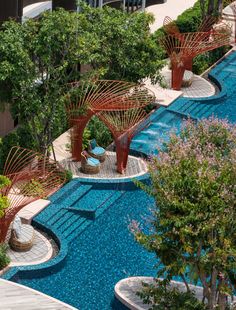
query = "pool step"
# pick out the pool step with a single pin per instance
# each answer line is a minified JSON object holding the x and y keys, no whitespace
{"x":74,"y":227}
{"x":76,"y":230}
{"x":194,"y":109}
{"x":77,"y":194}
{"x":66,"y":189}
{"x":48,"y":213}
{"x":63,"y":220}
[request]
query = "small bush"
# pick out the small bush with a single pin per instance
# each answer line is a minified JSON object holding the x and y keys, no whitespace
{"x":33,"y":188}
{"x":100,"y":132}
{"x":68,"y":175}
{"x":4,"y":258}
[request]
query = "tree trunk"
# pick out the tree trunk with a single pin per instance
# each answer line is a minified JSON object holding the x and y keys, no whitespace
{"x":219,"y":7}
{"x":211,"y":7}
{"x":203,"y":8}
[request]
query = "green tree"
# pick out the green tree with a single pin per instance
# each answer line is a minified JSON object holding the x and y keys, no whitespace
{"x":193,"y":181}
{"x":37,"y":59}
{"x":126,"y":49}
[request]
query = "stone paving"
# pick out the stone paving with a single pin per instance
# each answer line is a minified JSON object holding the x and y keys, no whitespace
{"x":200,"y":87}
{"x":19,"y":297}
{"x":40,"y":252}
{"x":135,"y":167}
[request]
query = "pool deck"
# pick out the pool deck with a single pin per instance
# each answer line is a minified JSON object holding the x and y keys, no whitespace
{"x":136,"y":166}
{"x":40,"y":252}
{"x":15,"y":296}
{"x":199,"y":88}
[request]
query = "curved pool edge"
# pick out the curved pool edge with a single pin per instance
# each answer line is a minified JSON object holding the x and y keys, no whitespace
{"x":57,"y":262}
{"x":52,"y":264}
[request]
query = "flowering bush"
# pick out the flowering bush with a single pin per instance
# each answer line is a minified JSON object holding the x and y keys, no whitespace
{"x":193,"y":181}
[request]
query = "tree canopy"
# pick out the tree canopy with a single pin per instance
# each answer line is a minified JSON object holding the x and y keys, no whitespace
{"x":193,"y":181}
{"x":39,"y":57}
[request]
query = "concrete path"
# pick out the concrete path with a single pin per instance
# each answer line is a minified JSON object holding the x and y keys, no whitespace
{"x":171,"y":8}
{"x":18,"y":297}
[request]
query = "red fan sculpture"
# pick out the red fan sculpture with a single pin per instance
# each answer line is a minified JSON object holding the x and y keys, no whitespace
{"x":183,"y":47}
{"x":87,"y":99}
{"x":33,"y":176}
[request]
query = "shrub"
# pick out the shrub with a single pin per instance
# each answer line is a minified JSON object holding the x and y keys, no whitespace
{"x":193,"y":182}
{"x":68,"y":175}
{"x":4,"y":258}
{"x":4,"y":201}
{"x":100,"y":132}
{"x":33,"y":188}
{"x":21,"y":136}
{"x":161,"y":297}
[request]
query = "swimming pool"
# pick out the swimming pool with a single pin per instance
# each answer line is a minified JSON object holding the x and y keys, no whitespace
{"x":92,"y":219}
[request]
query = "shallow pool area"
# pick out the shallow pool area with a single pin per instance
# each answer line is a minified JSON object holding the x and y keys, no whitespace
{"x":91,"y":218}
{"x":101,"y":255}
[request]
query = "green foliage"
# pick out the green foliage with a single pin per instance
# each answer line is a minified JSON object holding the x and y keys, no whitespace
{"x":32,"y":188}
{"x":37,"y":59}
{"x":100,"y":132}
{"x":126,"y":50}
{"x":190,"y":19}
{"x":86,"y":138}
{"x":68,"y":175}
{"x":160,"y":296}
{"x":6,"y":144}
{"x":4,"y":259}
{"x":21,"y":136}
{"x":193,"y":181}
{"x":202,"y":62}
{"x":4,"y":202}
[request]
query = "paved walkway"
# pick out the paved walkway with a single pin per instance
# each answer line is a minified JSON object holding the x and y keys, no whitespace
{"x":171,"y":8}
{"x":40,"y":252}
{"x":18,"y":297}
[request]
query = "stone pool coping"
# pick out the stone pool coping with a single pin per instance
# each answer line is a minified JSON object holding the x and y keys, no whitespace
{"x":57,"y":262}
{"x":125,"y":291}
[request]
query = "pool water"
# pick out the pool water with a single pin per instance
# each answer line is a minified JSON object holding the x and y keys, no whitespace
{"x":102,"y":255}
{"x":94,"y":220}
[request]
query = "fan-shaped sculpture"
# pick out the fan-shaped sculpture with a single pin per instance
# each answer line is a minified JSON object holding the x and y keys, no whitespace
{"x":86,"y":99}
{"x":123,"y":125}
{"x":32,"y":176}
{"x":183,"y":47}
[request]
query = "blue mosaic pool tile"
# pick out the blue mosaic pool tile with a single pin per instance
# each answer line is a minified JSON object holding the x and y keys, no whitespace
{"x":95,"y":254}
